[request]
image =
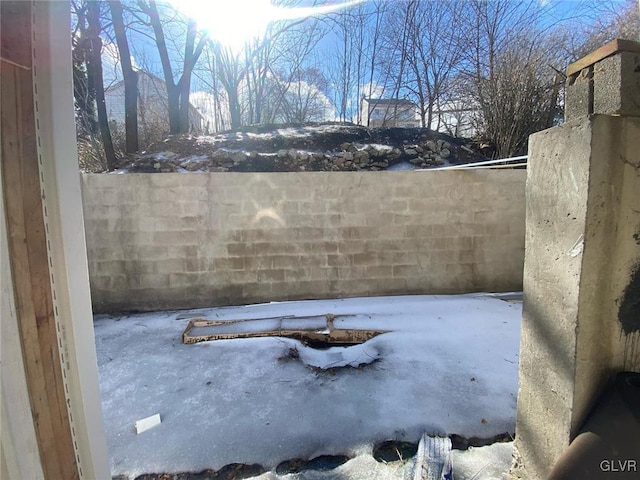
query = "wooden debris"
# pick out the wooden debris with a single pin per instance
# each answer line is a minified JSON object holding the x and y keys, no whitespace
{"x":318,"y":329}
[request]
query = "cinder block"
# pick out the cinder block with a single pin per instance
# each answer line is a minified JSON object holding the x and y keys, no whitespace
{"x":297,"y":193}
{"x":172,"y":265}
{"x":240,"y":249}
{"x":285,"y":261}
{"x":351,"y":272}
{"x":495,"y":229}
{"x":579,"y":94}
{"x":271,"y":276}
{"x":339,"y":260}
{"x":137,"y":267}
{"x":304,"y":234}
{"x":236,"y":277}
{"x":147,"y":280}
{"x":166,"y":209}
{"x":229,"y":264}
{"x":297,"y":275}
{"x":181,"y":279}
{"x":405,"y":271}
{"x":386,"y":232}
{"x":183,"y":251}
{"x":379,"y":271}
{"x":322,"y":273}
{"x":151,"y":253}
{"x":616,"y":85}
{"x":366,"y":259}
{"x":174,"y":238}
{"x":392,"y":286}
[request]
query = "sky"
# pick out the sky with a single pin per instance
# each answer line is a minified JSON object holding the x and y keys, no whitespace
{"x":233,"y":21}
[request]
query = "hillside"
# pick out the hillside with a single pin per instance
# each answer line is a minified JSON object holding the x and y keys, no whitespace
{"x":295,"y":148}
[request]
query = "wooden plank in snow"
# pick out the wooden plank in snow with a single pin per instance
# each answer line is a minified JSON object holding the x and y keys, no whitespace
{"x":201,"y":330}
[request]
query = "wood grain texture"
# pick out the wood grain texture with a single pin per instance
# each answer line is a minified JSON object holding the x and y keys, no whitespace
{"x":28,"y":247}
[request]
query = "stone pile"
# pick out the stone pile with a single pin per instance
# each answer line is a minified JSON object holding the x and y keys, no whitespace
{"x":351,"y":148}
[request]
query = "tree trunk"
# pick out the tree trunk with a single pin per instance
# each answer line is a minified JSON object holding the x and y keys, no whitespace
{"x":94,"y":64}
{"x":130,"y":79}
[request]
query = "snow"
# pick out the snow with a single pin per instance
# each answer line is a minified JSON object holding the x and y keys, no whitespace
{"x":448,"y":365}
{"x":374,"y":146}
{"x":192,"y":159}
{"x":403,"y":166}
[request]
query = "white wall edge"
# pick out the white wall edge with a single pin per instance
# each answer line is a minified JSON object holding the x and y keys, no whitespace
{"x":62,"y":199}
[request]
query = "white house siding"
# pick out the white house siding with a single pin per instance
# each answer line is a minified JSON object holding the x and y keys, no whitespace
{"x":153,"y":108}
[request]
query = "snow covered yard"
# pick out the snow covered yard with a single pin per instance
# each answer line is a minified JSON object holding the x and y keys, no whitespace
{"x":449,"y":365}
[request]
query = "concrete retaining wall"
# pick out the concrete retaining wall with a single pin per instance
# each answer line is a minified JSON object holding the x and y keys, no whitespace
{"x":170,"y":241}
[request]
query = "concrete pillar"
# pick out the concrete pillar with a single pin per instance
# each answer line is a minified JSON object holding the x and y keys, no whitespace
{"x":581,"y":314}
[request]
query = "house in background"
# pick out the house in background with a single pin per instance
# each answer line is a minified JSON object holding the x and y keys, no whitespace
{"x":388,"y":112}
{"x":153,"y":109}
{"x":456,"y":117}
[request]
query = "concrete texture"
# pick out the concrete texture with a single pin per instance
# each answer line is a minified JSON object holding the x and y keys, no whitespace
{"x":606,"y":81}
{"x":166,"y":241}
{"x":583,"y":192}
{"x":616,"y":85}
{"x":579,"y":95}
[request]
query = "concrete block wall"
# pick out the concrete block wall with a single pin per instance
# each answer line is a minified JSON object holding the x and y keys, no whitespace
{"x":170,"y":241}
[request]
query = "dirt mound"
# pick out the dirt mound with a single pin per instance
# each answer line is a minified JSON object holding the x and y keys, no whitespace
{"x":295,"y":148}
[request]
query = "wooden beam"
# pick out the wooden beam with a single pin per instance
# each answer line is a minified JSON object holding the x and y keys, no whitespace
{"x":27,"y":244}
{"x":611,"y":48}
{"x":307,"y":329}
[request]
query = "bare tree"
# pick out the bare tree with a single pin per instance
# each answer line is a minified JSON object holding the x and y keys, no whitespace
{"x":94,"y":71}
{"x":83,"y":92}
{"x":512,"y":72}
{"x":177,"y":91}
{"x":433,"y":51}
{"x":130,"y":78}
{"x":601,"y":23}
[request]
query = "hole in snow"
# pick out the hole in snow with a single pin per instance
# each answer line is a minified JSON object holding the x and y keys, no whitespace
{"x":355,"y":356}
{"x":321,"y":463}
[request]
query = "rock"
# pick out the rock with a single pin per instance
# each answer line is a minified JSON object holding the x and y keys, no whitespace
{"x":361,"y":156}
{"x":316,"y":148}
{"x":238,"y":157}
{"x":411,"y":152}
{"x":193,"y":165}
{"x":220,"y":153}
{"x":395,"y":154}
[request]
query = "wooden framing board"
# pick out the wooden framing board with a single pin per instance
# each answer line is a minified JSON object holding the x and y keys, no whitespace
{"x":611,"y":48}
{"x":328,"y":334}
{"x":27,"y":244}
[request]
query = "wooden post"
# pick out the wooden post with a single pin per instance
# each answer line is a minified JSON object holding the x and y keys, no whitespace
{"x":28,"y":246}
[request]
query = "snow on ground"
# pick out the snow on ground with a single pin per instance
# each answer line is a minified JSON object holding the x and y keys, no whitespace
{"x":449,"y":365}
